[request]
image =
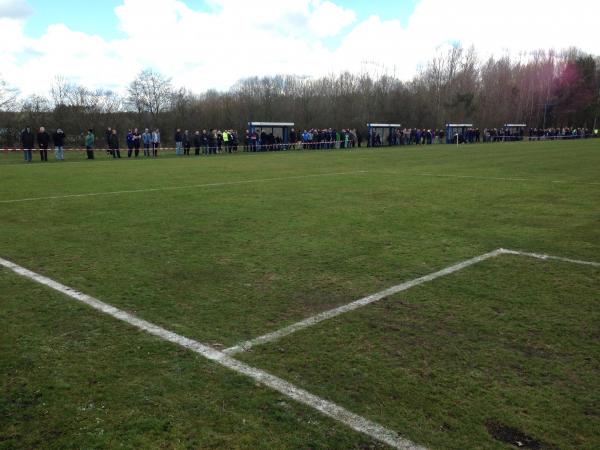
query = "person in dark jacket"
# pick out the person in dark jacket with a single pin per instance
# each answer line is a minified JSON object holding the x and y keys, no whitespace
{"x":187,"y":143}
{"x":114,"y":144}
{"x":27,"y":141}
{"x":137,"y":141}
{"x":58,"y":138}
{"x":178,"y":142}
{"x":108,"y":136}
{"x":129,"y":143}
{"x":205,"y":142}
{"x":197,"y":143}
{"x":89,"y":144}
{"x":43,"y":139}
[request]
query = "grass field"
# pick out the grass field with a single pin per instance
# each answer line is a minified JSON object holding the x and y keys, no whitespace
{"x":225,"y":249}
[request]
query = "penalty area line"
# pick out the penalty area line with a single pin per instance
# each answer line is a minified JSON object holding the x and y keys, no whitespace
{"x":309,"y":322}
{"x":325,"y":407}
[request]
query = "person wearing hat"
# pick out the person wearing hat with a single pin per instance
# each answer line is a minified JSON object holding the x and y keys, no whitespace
{"x":58,"y":138}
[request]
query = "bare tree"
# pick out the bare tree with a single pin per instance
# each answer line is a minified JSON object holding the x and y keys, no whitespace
{"x":150,"y":92}
{"x":8,"y":96}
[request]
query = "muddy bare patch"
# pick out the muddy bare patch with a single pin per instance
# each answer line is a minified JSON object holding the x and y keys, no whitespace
{"x":515,"y":437}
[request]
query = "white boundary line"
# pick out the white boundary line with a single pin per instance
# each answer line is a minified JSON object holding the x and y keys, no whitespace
{"x":475,"y":177}
{"x":193,"y":186}
{"x":309,"y":322}
{"x":542,"y":256}
{"x":326,"y":407}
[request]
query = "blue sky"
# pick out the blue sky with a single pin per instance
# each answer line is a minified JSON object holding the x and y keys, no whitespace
{"x":98,"y":17}
{"x":94,"y":17}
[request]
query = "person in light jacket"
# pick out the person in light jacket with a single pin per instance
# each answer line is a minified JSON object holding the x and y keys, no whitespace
{"x":155,"y":142}
{"x":147,"y":141}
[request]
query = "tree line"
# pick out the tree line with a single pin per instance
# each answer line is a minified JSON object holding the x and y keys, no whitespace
{"x":545,"y":89}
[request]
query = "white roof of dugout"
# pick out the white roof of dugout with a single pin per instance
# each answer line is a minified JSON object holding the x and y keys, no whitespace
{"x":459,"y":124}
{"x":271,"y":124}
{"x":384,"y":125}
{"x":523,"y":125}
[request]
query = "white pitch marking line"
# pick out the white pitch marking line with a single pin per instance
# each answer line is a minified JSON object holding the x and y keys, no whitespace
{"x":326,"y":407}
{"x":309,"y":322}
{"x":278,"y":334}
{"x":193,"y":186}
{"x":549,"y":257}
{"x":475,"y":177}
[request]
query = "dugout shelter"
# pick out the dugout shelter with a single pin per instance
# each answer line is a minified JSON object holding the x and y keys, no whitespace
{"x":514,"y":131}
{"x":458,"y":131}
{"x":280,"y":130}
{"x":382,"y":134}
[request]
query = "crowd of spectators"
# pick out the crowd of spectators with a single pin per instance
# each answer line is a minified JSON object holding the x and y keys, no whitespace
{"x":213,"y":141}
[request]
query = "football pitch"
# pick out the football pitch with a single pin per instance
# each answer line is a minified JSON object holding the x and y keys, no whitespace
{"x":434,"y":297}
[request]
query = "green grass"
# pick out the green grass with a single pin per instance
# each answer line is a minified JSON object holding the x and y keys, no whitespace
{"x":505,"y":342}
{"x":227,"y":263}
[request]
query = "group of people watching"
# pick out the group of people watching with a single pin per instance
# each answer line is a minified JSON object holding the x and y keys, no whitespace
{"x":43,"y":139}
{"x":407,"y":136}
{"x":538,"y":134}
{"x":206,"y":142}
{"x":216,"y":141}
{"x":149,"y":140}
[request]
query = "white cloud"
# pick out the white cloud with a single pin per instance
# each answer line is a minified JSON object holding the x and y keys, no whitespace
{"x":14,"y":9}
{"x":237,"y":38}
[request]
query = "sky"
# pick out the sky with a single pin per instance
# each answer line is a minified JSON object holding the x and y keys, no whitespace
{"x":211,"y":44}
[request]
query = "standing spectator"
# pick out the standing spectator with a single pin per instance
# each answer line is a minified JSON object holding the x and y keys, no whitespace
{"x":114,"y":144}
{"x":107,"y":137}
{"x":58,"y":138}
{"x":129,"y":143}
{"x":219,"y":141}
{"x":147,"y":140}
{"x":253,"y":141}
{"x":225,"y":135}
{"x":205,"y":142}
{"x":178,"y":142}
{"x":27,"y":139}
{"x":293,"y":138}
{"x":89,"y":144}
{"x":43,"y":139}
{"x":212,"y":142}
{"x":137,"y":141}
{"x":155,"y":142}
{"x":187,"y":143}
{"x":197,"y":143}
